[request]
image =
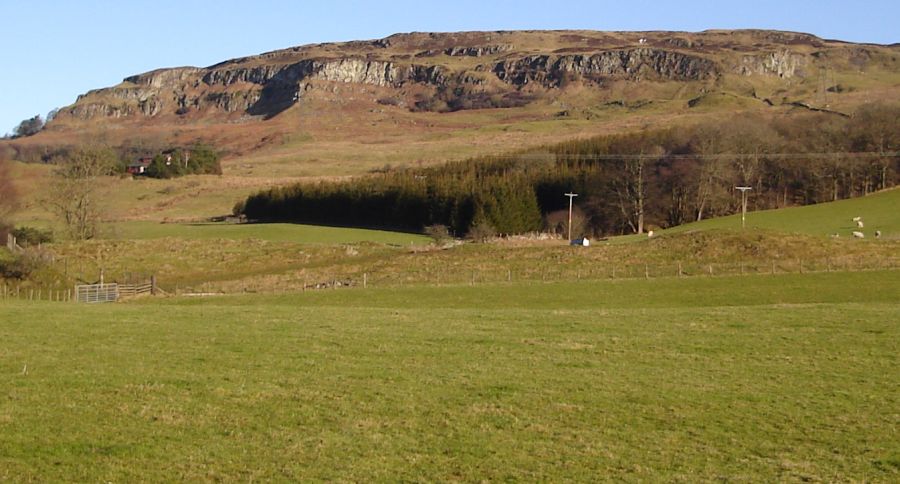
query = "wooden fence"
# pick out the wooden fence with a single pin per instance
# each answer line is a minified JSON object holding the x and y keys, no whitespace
{"x":132,"y":290}
{"x":82,"y":293}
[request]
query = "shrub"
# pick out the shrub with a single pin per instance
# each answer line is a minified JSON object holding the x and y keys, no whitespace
{"x":29,"y":236}
{"x":18,"y":266}
{"x":481,"y":232}
{"x":438,"y":232}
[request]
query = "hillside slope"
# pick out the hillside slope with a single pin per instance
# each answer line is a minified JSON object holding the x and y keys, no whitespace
{"x":344,"y":108}
{"x":878,"y":212}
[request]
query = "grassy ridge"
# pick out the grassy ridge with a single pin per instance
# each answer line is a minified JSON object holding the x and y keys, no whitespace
{"x":531,"y":382}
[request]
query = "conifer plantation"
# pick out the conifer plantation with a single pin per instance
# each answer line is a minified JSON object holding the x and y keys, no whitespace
{"x":626,"y":182}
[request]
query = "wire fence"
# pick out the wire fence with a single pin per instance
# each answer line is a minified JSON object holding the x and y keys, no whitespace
{"x":472,"y":277}
{"x":546,"y":273}
{"x":613,"y":272}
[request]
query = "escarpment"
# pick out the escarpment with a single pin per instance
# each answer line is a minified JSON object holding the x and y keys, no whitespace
{"x":636,"y":64}
{"x":476,"y":65}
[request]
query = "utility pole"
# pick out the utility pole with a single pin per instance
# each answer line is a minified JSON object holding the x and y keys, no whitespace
{"x":743,"y":204}
{"x":571,"y":197}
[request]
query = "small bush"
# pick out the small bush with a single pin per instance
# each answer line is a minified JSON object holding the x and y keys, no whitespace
{"x":438,"y":232}
{"x":481,"y":232}
{"x":238,"y":208}
{"x":18,"y":266}
{"x":390,"y":101}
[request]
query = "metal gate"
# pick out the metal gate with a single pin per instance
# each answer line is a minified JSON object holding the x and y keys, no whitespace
{"x":96,"y":293}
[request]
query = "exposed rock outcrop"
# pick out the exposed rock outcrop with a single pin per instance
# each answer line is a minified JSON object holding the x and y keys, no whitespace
{"x":479,"y":51}
{"x":634,"y":64}
{"x":784,"y":64}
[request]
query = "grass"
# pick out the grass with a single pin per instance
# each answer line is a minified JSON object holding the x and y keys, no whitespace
{"x":878,"y":211}
{"x":749,"y":378}
{"x":276,"y":232}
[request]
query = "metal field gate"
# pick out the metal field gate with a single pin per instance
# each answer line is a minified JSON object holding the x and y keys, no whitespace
{"x":96,"y":293}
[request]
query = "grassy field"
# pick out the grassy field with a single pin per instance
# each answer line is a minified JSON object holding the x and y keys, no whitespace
{"x":879,"y":211}
{"x":276,"y":232}
{"x":758,"y":378}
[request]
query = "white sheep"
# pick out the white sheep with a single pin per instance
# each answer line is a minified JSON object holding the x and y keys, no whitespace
{"x":877,"y":234}
{"x":857,"y":219}
{"x":859,"y":235}
{"x":859,"y":224}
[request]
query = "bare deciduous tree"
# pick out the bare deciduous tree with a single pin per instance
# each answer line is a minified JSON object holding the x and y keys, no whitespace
{"x":73,"y":195}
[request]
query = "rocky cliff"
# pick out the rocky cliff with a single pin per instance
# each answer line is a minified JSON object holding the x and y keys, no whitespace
{"x":416,"y":67}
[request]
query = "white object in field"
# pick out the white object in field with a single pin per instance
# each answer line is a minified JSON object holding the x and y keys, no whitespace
{"x":859,"y":224}
{"x":859,"y":235}
{"x":857,"y":219}
{"x":649,"y":234}
{"x":877,"y":234}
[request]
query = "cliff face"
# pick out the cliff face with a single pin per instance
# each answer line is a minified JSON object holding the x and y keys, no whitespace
{"x":487,"y":63}
{"x":635,"y":65}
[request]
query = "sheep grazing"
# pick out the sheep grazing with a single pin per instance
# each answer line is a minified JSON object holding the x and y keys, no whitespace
{"x":649,"y":234}
{"x":877,"y":234}
{"x":859,"y":235}
{"x":857,"y":219}
{"x":859,"y":224}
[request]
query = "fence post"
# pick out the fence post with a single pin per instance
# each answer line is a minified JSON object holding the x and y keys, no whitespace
{"x":646,"y":271}
{"x":365,"y":280}
{"x":509,"y":275}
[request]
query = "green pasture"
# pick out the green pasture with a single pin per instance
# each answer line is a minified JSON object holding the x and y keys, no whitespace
{"x":755,"y":378}
{"x":275,"y":232}
{"x":879,"y":211}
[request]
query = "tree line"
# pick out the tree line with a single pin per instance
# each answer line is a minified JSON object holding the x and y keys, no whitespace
{"x":200,"y":159}
{"x":464,"y":200}
{"x":627,"y":183}
{"x":166,"y":162}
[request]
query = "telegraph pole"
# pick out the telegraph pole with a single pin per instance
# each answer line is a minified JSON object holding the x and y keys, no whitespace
{"x":571,"y":197}
{"x":743,"y":204}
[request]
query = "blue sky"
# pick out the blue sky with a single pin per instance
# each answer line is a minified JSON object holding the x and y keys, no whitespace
{"x":54,"y":50}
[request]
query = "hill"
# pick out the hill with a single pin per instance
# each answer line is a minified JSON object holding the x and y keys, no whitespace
{"x":344,"y":108}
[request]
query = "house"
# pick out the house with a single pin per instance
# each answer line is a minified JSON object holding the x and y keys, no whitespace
{"x":140,"y":166}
